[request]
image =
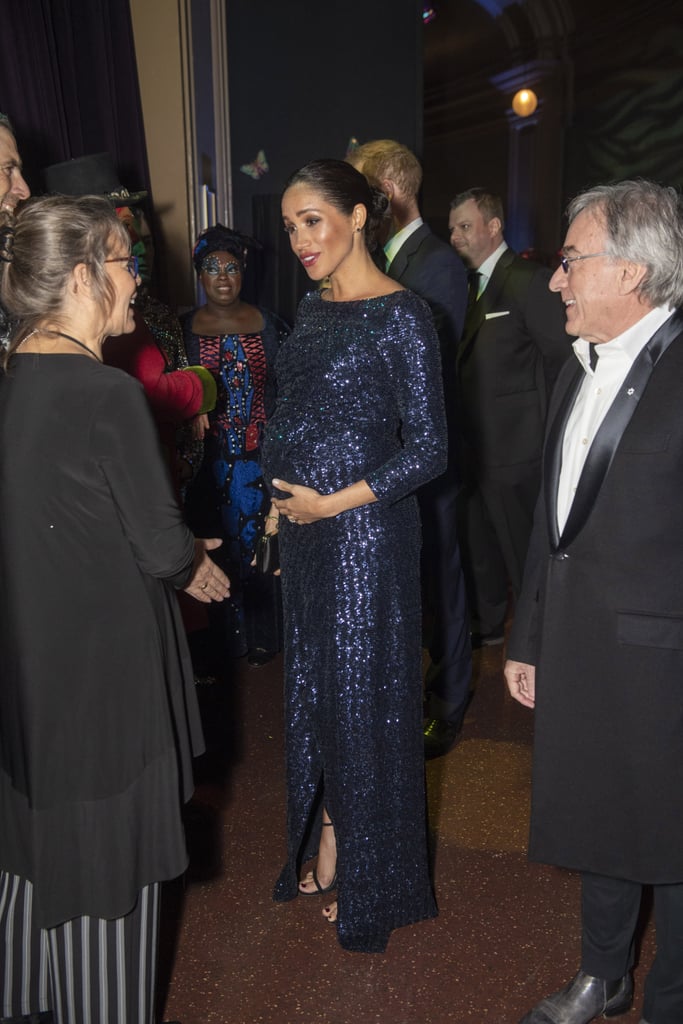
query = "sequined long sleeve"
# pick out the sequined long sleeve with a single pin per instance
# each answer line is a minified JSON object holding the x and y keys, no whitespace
{"x":363,"y":397}
{"x":410,"y":349}
{"x":359,"y":398}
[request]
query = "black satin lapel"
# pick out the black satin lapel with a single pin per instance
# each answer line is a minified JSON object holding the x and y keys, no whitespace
{"x":474,"y":318}
{"x":488,"y":299}
{"x":476,"y":313}
{"x":399,"y":264}
{"x":552,"y":457}
{"x":614,"y":424}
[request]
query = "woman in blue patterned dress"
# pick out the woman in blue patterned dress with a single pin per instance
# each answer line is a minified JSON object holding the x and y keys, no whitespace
{"x":359,"y":425}
{"x":237,"y":343}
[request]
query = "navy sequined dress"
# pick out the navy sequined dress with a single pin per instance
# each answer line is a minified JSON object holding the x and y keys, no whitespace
{"x":359,"y":397}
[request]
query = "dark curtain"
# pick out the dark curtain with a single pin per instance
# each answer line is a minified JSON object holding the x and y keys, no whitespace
{"x":68,"y":81}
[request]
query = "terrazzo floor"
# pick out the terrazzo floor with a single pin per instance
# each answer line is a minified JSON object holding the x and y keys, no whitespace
{"x":507,"y":931}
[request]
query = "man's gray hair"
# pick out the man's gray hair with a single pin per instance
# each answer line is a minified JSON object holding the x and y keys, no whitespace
{"x":644,"y":223}
{"x":5,"y":122}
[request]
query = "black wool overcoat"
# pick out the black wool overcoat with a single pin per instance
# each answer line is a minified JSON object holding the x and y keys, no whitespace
{"x":601,"y":617}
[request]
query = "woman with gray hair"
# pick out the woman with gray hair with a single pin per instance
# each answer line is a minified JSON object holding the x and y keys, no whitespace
{"x":98,"y":716}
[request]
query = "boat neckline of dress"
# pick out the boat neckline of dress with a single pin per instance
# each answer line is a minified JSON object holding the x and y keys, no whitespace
{"x":367,"y":298}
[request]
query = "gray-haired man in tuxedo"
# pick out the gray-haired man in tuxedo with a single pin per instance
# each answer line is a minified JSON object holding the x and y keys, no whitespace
{"x":597,"y":641}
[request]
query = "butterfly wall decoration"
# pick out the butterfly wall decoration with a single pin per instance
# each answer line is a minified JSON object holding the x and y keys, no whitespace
{"x":257,"y":168}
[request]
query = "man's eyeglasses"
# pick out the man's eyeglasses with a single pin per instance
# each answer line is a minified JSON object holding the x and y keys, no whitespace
{"x":132,"y":263}
{"x":566,"y":260}
{"x":211,"y":266}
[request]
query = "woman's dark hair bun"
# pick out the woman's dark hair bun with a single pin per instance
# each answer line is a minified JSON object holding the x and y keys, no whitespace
{"x":380,"y":202}
{"x":376,"y":216}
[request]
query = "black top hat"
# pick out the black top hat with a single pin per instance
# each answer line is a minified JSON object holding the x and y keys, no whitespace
{"x":91,"y":175}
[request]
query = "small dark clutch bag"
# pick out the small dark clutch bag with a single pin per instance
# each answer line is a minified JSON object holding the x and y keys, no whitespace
{"x":268,"y":553}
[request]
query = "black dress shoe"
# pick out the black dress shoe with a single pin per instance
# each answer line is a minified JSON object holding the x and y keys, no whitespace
{"x":440,"y":737}
{"x":479,"y":640}
{"x":259,"y":657}
{"x":582,"y":1000}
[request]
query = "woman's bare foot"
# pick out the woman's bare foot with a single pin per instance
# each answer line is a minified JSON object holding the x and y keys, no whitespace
{"x":326,"y":866}
{"x":330,"y":912}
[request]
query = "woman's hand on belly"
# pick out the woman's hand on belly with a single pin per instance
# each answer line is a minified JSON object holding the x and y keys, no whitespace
{"x":306,"y":505}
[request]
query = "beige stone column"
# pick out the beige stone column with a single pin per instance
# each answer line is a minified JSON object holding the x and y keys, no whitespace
{"x":162,"y":46}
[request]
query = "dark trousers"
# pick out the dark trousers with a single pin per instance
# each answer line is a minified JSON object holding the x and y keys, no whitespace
{"x":85,"y":971}
{"x":449,"y":676}
{"x":610,"y":908}
{"x":495,"y":516}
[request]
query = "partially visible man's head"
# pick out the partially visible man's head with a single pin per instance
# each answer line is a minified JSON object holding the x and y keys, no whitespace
{"x":476,"y":225}
{"x":13,"y":188}
{"x":622,"y":257}
{"x":390,"y":165}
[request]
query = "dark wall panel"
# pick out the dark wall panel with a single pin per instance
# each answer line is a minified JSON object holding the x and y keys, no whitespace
{"x":305,"y":78}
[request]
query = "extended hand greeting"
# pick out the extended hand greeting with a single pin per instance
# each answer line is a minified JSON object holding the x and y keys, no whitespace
{"x":209,"y":582}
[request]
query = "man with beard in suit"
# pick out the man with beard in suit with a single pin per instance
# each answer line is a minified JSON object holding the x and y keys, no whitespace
{"x":13,"y":190}
{"x":597,"y":642}
{"x":512,"y":348}
{"x":420,"y":261}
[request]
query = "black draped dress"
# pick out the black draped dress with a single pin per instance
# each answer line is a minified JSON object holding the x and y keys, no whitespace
{"x":359,"y":397}
{"x":98,"y":715}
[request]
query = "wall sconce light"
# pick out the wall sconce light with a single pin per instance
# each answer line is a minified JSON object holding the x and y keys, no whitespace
{"x":524,"y":102}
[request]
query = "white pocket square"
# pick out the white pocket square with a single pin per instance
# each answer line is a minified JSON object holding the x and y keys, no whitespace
{"x":492,"y":316}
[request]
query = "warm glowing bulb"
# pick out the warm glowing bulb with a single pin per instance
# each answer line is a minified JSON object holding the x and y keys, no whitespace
{"x":524,"y":102}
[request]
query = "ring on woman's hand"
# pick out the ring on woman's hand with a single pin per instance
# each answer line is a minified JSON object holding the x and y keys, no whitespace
{"x":204,"y":586}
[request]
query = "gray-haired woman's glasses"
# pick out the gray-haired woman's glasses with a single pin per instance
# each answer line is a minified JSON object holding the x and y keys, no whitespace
{"x":132,"y":263}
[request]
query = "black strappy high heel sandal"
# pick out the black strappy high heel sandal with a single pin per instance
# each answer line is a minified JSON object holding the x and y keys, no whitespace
{"x":320,"y":890}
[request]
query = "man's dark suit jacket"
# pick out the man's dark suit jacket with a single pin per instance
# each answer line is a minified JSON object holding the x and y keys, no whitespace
{"x":513,"y":346}
{"x":434,"y":271}
{"x":601,"y":618}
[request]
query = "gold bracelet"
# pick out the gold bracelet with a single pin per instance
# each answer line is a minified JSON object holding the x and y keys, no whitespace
{"x":276,"y":519}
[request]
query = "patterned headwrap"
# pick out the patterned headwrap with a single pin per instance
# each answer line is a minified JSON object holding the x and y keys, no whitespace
{"x":221,"y":239}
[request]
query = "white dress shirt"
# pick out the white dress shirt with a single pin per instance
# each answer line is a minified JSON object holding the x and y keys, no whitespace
{"x":397,"y":240}
{"x":488,"y":266}
{"x":596,"y":394}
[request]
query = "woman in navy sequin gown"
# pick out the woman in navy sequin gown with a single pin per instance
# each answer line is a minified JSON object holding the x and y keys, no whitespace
{"x":359,"y":425}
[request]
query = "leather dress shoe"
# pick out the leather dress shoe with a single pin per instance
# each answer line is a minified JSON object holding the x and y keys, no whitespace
{"x":479,"y":640}
{"x":582,"y":1000}
{"x":257,"y":658}
{"x":440,"y":737}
